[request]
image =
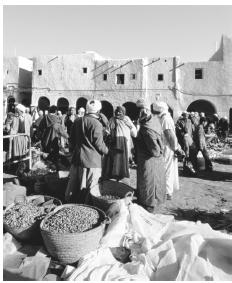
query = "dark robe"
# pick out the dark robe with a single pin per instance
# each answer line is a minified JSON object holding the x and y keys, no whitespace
{"x":51,"y":130}
{"x":116,"y":166}
{"x":150,"y":170}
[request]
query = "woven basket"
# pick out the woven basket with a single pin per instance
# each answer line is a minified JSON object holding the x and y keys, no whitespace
{"x":112,"y":188}
{"x":30,"y":232}
{"x":68,"y":248}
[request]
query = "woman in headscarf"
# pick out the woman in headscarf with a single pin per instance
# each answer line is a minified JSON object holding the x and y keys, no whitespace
{"x":69,"y":120}
{"x":150,"y":161}
{"x":120,"y":129}
{"x":170,"y":147}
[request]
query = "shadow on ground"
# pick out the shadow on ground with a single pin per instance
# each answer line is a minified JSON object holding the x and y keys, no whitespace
{"x":211,"y":176}
{"x":218,"y":221}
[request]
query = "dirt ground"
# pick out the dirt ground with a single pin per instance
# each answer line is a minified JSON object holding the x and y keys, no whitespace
{"x":207,"y":197}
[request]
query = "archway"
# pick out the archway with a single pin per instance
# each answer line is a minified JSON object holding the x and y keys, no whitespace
{"x":63,"y":105}
{"x":131,"y":110}
{"x":107,"y":109}
{"x":81,"y":102}
{"x":43,"y":103}
{"x":26,"y":102}
{"x":11,"y":104}
{"x":202,"y":105}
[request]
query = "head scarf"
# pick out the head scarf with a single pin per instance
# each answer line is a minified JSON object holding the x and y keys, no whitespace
{"x":20,"y":108}
{"x":120,"y":112}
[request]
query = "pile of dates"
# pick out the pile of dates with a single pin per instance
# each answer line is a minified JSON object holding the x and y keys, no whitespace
{"x":23,"y":215}
{"x":109,"y":197}
{"x":72,"y":219}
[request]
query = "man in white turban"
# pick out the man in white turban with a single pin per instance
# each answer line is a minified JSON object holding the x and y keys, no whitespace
{"x":88,"y":147}
{"x":170,"y":146}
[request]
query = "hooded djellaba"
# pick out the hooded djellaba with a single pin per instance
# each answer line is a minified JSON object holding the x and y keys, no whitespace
{"x":120,"y":130}
{"x":51,"y":130}
{"x":150,"y":161}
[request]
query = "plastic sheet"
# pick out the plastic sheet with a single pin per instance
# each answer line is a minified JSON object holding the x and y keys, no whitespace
{"x":161,"y":249}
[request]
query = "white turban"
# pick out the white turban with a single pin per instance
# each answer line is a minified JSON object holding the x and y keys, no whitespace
{"x":160,"y":106}
{"x":20,"y":108}
{"x":93,"y":106}
{"x":82,"y":110}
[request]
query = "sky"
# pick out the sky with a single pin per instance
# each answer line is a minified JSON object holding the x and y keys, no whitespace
{"x":191,"y":32}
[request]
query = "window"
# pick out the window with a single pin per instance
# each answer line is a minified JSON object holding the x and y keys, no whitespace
{"x":120,"y":79}
{"x":40,"y":72}
{"x":104,"y":77}
{"x":133,"y":76}
{"x":160,"y":77}
{"x":85,"y":70}
{"x":198,"y":74}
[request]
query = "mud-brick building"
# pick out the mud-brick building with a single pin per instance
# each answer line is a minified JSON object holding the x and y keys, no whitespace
{"x":70,"y":80}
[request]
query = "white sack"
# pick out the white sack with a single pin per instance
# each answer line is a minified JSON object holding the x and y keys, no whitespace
{"x":100,"y":265}
{"x":118,"y":227}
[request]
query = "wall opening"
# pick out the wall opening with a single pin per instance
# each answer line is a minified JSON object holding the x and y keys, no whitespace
{"x":63,"y":105}
{"x":81,"y":102}
{"x":11,"y":104}
{"x":120,"y":79}
{"x":133,"y":76}
{"x":202,"y":106}
{"x":44,"y":103}
{"x":131,"y":110}
{"x":198,"y":74}
{"x":160,"y":77}
{"x":107,"y":109}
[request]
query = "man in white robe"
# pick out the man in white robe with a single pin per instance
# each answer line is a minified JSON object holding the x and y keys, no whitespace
{"x":170,"y":146}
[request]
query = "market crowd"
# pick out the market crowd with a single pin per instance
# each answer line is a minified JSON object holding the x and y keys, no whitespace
{"x":105,"y":149}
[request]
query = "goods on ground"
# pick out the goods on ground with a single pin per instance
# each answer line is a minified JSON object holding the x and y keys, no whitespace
{"x":72,"y":219}
{"x":23,"y":215}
